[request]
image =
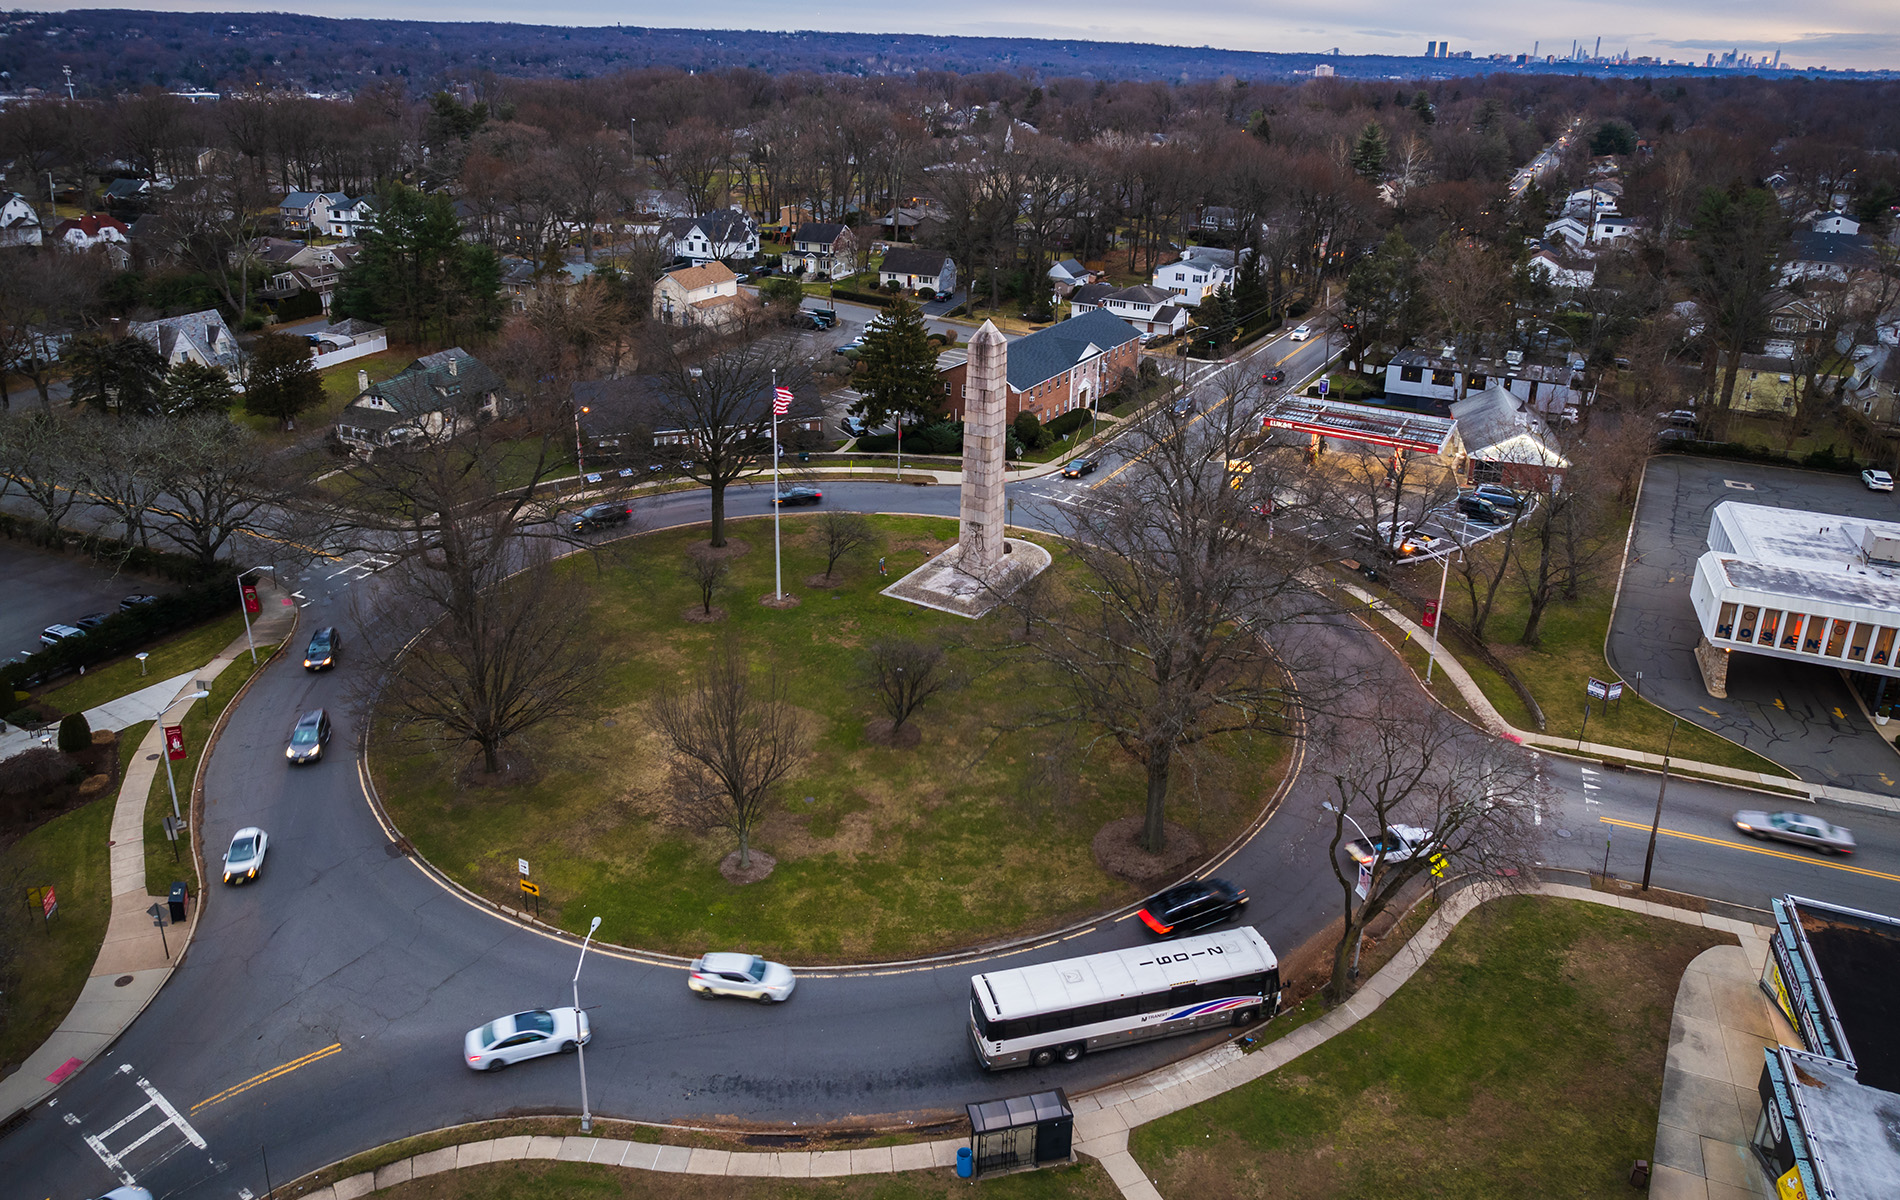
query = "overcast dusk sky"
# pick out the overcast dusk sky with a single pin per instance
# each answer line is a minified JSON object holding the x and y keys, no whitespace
{"x":1834,"y":33}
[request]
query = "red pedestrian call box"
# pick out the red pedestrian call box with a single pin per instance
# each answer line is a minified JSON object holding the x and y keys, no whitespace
{"x":250,"y":599}
{"x":1430,"y":619}
{"x":175,"y":743}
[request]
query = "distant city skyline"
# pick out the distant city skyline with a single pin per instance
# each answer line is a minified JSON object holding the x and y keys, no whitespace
{"x":1857,"y":34}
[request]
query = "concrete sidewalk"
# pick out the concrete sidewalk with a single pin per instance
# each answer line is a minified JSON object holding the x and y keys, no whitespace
{"x":136,"y":957}
{"x":1489,"y":716}
{"x":1104,"y":1118}
{"x":115,"y":715}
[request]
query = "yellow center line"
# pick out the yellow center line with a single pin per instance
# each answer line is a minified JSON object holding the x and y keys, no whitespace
{"x":269,"y":1075}
{"x":1800,"y":858}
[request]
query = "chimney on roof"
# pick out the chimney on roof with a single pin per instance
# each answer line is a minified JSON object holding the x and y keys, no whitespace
{"x":452,"y":365}
{"x":362,"y":380}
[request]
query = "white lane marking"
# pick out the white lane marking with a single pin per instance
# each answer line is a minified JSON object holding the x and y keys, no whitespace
{"x":115,"y":1159}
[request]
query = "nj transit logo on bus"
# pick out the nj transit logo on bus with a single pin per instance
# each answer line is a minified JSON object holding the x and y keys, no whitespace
{"x":1212,"y":1006}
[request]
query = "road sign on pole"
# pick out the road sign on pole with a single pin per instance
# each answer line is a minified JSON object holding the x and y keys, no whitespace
{"x":531,"y":889}
{"x":523,"y":864}
{"x":1364,"y":887}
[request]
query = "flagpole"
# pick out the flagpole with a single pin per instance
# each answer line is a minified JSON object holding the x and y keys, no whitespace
{"x":778,"y":568}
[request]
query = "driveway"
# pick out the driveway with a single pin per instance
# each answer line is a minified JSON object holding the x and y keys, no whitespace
{"x":1803,"y":717}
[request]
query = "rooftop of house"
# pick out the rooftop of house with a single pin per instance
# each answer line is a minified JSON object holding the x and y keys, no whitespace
{"x":1833,"y":249}
{"x":1542,"y":372}
{"x":711,"y":274}
{"x":1498,"y":427}
{"x":1047,"y":353}
{"x":446,"y":379}
{"x":822,"y":233}
{"x":913,"y":260}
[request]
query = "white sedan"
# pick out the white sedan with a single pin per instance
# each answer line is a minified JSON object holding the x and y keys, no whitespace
{"x":524,"y":1035}
{"x":1302,"y":333}
{"x":245,"y":858}
{"x":1877,"y":480}
{"x":745,"y":975}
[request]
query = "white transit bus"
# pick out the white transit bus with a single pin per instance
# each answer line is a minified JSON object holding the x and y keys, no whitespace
{"x":1061,"y":1010}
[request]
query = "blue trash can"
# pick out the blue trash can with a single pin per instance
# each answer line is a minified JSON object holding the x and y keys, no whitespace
{"x":964,"y":1165}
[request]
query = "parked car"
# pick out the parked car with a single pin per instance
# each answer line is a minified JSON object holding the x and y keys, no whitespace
{"x":1078,"y":467}
{"x":852,"y":426}
{"x":1675,"y":435}
{"x":321,"y":653}
{"x":1802,"y":829}
{"x":53,"y":635}
{"x":524,"y":1035}
{"x":943,"y":296}
{"x":1272,"y":378}
{"x":1301,"y":333}
{"x":1877,"y":480}
{"x":1499,"y":496}
{"x":821,"y":318}
{"x":1398,"y":843}
{"x":742,"y":277}
{"x":1477,"y":508}
{"x":307,"y":738}
{"x":745,"y":975}
{"x":245,"y":858}
{"x":1391,"y":535}
{"x":599,"y":516}
{"x":799,"y":494}
{"x":1196,"y":904}
{"x":127,"y":1193}
{"x":1678,"y":416}
{"x":92,"y":621}
{"x":132,"y":602}
{"x":856,"y":343}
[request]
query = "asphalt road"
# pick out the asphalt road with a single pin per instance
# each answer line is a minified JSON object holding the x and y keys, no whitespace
{"x":320,"y":1009}
{"x":1801,"y":716}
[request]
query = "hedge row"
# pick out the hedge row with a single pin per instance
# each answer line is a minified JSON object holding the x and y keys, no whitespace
{"x":944,"y":437}
{"x":125,"y":632}
{"x":1069,"y":422}
{"x":877,"y":298}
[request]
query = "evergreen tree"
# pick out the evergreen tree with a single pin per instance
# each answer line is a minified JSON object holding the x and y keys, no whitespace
{"x":122,"y":376}
{"x":1250,"y":285}
{"x":416,"y":273}
{"x":1383,"y":298}
{"x":282,"y":381}
{"x":1368,"y":154}
{"x":191,"y":388}
{"x":1422,"y":105}
{"x":899,"y":380}
{"x":1613,"y":137}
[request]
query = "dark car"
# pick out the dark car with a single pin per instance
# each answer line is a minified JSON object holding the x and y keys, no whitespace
{"x":942,"y":296}
{"x":1477,"y":508}
{"x":799,"y":494}
{"x":307,"y":737}
{"x":1078,"y":468}
{"x":132,"y":602}
{"x":1183,"y":406}
{"x":1272,"y":378}
{"x":92,"y":620}
{"x":599,"y":516}
{"x":324,"y":646}
{"x":1499,"y":496}
{"x":1194,"y":905}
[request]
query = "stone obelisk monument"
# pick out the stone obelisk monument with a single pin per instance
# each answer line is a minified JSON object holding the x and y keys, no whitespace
{"x":983,"y":568}
{"x":982,"y":512}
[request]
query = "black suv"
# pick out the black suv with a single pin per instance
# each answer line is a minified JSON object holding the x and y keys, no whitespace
{"x":599,"y":516}
{"x":1196,"y":904}
{"x":323,"y":649}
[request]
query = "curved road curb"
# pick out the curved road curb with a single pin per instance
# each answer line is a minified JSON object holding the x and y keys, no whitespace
{"x":1103,"y":1117}
{"x":534,"y":924}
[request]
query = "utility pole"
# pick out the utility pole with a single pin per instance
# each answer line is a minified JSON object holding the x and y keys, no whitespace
{"x":1654,"y":825}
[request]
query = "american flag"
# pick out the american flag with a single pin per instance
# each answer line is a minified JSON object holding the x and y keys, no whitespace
{"x":781,"y":401}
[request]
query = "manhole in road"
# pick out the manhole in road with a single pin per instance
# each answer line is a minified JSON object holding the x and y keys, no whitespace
{"x":121,"y":981}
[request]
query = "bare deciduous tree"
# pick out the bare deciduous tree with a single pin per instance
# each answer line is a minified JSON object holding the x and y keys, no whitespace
{"x":840,"y":533}
{"x":905,"y":674}
{"x":734,"y":738}
{"x":1415,"y":764}
{"x":707,"y":572}
{"x":1172,"y":639}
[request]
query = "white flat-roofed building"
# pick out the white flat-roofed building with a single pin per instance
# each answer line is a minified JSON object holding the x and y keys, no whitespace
{"x":1803,"y":586}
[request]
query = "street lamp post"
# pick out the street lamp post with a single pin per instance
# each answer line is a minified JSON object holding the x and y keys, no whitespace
{"x":245,"y":608}
{"x":580,"y":459}
{"x":169,"y":781}
{"x":1330,"y":807}
{"x":580,"y":1048}
{"x":1438,"y":614}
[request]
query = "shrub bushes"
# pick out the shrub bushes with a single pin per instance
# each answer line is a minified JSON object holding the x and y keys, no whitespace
{"x":75,"y":733}
{"x":942,"y":437}
{"x":1069,"y":422}
{"x":124,"y":632}
{"x":880,"y":299}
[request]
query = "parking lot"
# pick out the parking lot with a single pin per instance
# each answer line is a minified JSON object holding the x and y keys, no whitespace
{"x":1803,"y":717}
{"x":45,"y":589}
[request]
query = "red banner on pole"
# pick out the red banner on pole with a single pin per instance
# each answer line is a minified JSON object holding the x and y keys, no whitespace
{"x":1430,"y":619}
{"x":175,"y":743}
{"x":250,"y":599}
{"x":47,"y":903}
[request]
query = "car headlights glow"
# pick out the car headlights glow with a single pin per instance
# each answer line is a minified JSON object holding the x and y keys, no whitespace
{"x":290,"y":752}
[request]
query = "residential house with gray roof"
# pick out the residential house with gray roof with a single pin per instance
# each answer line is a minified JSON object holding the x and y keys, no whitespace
{"x":200,"y":337}
{"x":1072,"y":364}
{"x":435,"y":397}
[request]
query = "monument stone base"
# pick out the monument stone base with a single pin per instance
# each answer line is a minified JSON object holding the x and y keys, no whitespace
{"x":944,"y":585}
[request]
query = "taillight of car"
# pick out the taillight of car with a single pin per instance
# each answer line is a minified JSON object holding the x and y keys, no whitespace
{"x":474,"y":1058}
{"x":1358,"y":855}
{"x":1147,"y":918}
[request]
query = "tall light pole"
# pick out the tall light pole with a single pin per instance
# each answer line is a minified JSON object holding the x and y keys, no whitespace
{"x":580,"y":1047}
{"x":580,"y":461}
{"x":781,"y":404}
{"x":1438,"y":614}
{"x":244,"y":606}
{"x":169,"y":781}
{"x":1649,"y":858}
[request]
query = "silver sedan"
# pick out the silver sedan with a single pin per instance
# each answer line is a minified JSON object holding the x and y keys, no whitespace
{"x":524,"y":1035}
{"x":1801,"y":829}
{"x":745,"y":975}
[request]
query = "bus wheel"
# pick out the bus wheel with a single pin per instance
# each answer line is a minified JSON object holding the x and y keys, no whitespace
{"x":1042,"y":1058}
{"x":1246,"y":1016}
{"x":1071,"y":1052}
